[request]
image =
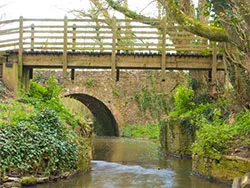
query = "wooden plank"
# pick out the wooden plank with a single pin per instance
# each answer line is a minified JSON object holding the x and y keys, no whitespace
{"x":43,"y":60}
{"x":93,"y":32}
{"x":92,"y":27}
{"x":137,"y":32}
{"x":129,"y":61}
{"x":9,"y":21}
{"x":16,"y":29}
{"x":9,"y":45}
{"x":133,"y":37}
{"x":94,"y":37}
{"x":50,"y":26}
{"x":45,"y":48}
{"x":153,"y":62}
{"x":9,"y":40}
{"x":92,"y":43}
{"x":87,"y":20}
{"x":9,"y":33}
{"x":48,"y":43}
{"x":43,"y":20}
{"x":139,"y":27}
{"x":65,"y":48}
{"x":97,"y":49}
{"x":49,"y":37}
{"x":47,"y":31}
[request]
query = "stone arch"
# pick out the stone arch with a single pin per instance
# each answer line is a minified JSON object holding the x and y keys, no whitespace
{"x":100,"y":111}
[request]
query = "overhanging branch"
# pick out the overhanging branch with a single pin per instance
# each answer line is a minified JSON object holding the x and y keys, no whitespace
{"x":132,"y":14}
{"x":188,"y":23}
{"x":194,"y":26}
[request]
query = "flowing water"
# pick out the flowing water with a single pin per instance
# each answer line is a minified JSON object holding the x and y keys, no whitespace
{"x":130,"y":163}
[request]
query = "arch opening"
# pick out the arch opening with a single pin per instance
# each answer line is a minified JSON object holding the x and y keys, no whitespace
{"x":105,"y":124}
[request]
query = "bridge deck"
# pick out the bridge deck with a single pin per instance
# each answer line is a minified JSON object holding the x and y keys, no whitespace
{"x":79,"y":59}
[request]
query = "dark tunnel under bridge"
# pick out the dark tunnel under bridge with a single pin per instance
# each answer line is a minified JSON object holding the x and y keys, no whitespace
{"x":106,"y":124}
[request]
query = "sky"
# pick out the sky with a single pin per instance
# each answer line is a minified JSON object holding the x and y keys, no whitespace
{"x":51,"y":8}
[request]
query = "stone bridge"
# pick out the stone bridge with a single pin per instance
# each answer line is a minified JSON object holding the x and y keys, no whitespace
{"x":72,"y":44}
{"x":114,"y":105}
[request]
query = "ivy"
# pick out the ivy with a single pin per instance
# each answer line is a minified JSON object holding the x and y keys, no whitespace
{"x":37,"y":133}
{"x":149,"y":100}
{"x":38,"y":144}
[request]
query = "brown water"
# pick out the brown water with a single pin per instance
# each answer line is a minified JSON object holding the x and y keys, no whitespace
{"x":129,"y":163}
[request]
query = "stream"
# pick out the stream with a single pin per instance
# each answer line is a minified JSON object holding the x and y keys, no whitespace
{"x":131,"y":163}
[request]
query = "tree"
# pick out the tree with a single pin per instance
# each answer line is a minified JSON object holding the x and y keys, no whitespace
{"x":230,"y":25}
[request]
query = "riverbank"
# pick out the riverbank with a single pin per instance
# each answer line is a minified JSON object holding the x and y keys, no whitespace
{"x":212,"y":132}
{"x":40,"y":139}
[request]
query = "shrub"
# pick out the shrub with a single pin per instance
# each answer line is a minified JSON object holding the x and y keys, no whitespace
{"x":40,"y":96}
{"x":38,"y":144}
{"x":183,"y":101}
{"x":37,"y":133}
{"x":214,"y":138}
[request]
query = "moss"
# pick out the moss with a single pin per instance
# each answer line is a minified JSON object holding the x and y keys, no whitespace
{"x":175,"y":137}
{"x":196,"y":27}
{"x":28,"y":180}
{"x":224,"y":170}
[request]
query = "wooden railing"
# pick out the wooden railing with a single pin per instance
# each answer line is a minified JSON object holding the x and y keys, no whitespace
{"x":97,"y":36}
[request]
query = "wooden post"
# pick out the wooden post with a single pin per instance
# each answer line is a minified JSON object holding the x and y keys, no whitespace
{"x":113,"y":55}
{"x":31,"y":73}
{"x":163,"y":50}
{"x":214,"y":64}
{"x":214,"y":91}
{"x":65,"y":48}
{"x":72,"y":74}
{"x":32,"y":37}
{"x":118,"y":36}
{"x":74,"y":38}
{"x":20,"y":57}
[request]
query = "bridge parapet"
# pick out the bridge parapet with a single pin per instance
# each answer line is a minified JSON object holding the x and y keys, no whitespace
{"x":98,"y":35}
{"x":114,"y":42}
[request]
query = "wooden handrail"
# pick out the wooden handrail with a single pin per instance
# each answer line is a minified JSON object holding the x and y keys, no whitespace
{"x":84,"y":34}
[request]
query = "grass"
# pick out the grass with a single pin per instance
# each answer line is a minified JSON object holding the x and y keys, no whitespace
{"x":149,"y":131}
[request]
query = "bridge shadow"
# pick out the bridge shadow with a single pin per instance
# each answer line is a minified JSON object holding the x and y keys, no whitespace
{"x":105,"y":124}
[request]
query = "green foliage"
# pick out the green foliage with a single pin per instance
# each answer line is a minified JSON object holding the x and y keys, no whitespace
{"x":242,"y":123}
{"x":37,"y":133}
{"x":147,"y":99}
{"x":183,"y":101}
{"x":11,"y":112}
{"x":40,"y":96}
{"x":210,"y":138}
{"x":116,"y":93}
{"x":214,"y":137}
{"x":2,"y":89}
{"x":150,"y":131}
{"x":38,"y":144}
{"x":89,"y":83}
{"x":214,"y":134}
{"x":45,"y":93}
